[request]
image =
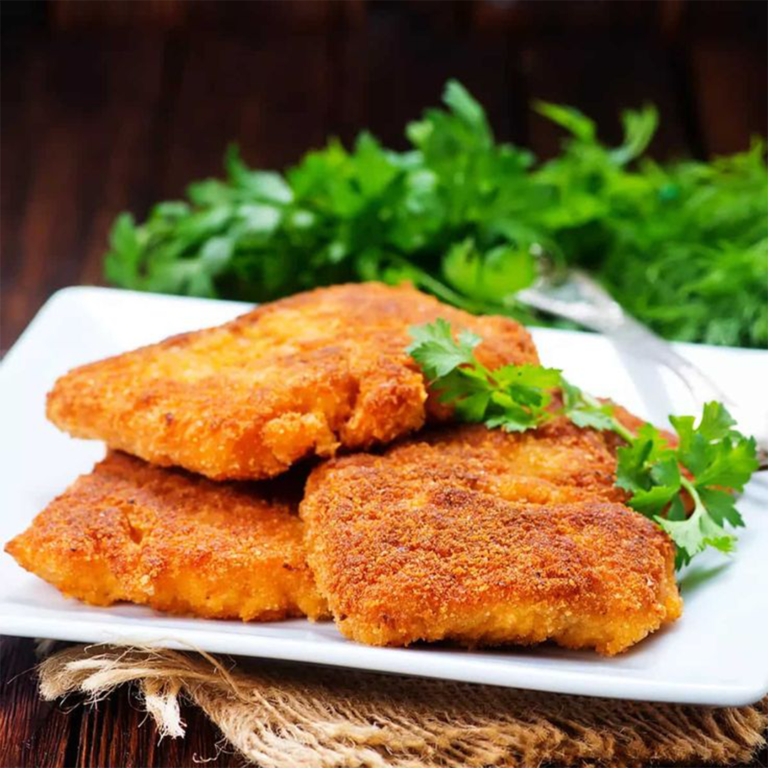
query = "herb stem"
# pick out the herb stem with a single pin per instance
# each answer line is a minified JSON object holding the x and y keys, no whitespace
{"x":622,"y":431}
{"x":687,"y":485}
{"x":440,"y":289}
{"x":616,"y":425}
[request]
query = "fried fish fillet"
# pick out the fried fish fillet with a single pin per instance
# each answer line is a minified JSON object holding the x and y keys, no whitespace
{"x":486,"y":538}
{"x":301,"y":376}
{"x":164,"y":538}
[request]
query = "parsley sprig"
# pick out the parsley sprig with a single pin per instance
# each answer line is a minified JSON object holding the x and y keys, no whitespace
{"x":466,"y":217}
{"x":514,"y":397}
{"x":711,"y":460}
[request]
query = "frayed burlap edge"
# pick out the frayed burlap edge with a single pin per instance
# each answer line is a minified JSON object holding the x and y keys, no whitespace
{"x":279,"y":715}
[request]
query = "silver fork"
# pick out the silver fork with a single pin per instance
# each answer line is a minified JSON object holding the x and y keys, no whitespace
{"x":573,"y":295}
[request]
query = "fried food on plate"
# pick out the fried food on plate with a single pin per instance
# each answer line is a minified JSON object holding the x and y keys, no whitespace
{"x":179,"y":543}
{"x":558,"y":462}
{"x":486,"y":538}
{"x":301,"y":376}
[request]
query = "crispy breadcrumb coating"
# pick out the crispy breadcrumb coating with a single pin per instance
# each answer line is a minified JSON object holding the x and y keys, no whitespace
{"x":485,"y":538}
{"x":173,"y":541}
{"x":300,"y":376}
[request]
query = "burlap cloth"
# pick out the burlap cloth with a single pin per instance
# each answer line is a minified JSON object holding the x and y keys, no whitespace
{"x":290,"y":716}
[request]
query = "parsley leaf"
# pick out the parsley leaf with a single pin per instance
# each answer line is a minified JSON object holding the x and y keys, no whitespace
{"x":584,"y":412}
{"x":513,"y":397}
{"x":436,"y":351}
{"x":717,"y":457}
{"x":695,"y":533}
{"x":634,"y":462}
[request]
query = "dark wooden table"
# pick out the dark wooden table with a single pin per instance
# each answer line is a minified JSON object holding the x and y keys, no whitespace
{"x":113,"y":106}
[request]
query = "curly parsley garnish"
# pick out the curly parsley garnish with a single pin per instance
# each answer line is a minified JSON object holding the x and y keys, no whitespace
{"x":711,"y":459}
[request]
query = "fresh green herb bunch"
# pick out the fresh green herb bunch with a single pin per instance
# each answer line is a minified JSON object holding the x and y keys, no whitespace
{"x":711,"y":458}
{"x":683,"y":246}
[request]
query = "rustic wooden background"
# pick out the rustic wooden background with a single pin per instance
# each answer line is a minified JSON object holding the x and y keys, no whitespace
{"x":112,"y":106}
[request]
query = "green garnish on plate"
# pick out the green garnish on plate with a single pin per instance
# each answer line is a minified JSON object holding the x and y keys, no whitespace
{"x":711,"y":460}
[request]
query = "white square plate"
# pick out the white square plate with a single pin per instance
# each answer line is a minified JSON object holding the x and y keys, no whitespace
{"x":717,"y":653}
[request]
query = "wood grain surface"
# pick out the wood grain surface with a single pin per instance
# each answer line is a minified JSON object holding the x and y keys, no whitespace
{"x":113,"y":106}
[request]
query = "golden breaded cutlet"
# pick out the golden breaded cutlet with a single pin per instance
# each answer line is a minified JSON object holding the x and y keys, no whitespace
{"x":487,"y":538}
{"x":558,"y":462}
{"x":179,"y":543}
{"x":300,"y":376}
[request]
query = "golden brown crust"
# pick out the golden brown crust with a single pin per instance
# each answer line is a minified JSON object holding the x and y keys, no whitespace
{"x":297,"y":377}
{"x":173,"y":541}
{"x":484,"y":537}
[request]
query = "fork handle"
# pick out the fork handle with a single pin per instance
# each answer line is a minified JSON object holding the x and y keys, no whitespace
{"x":590,"y":305}
{"x":631,"y":334}
{"x":634,"y":335}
